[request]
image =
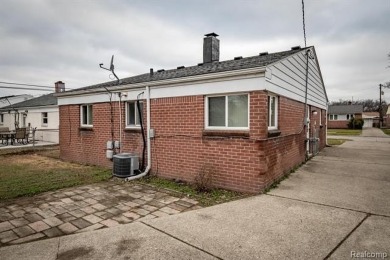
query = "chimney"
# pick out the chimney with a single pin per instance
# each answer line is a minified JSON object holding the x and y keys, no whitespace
{"x":59,"y":86}
{"x":210,"y":48}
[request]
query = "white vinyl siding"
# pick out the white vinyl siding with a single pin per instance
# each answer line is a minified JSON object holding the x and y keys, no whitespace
{"x":86,"y":115}
{"x":288,"y":78}
{"x":227,"y":112}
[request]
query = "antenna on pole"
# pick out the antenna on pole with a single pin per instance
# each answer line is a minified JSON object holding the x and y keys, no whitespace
{"x":112,"y":67}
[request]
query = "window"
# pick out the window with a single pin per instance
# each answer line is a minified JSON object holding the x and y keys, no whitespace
{"x":272,"y":112}
{"x":44,"y":119}
{"x":132,"y":115}
{"x":1,"y":119}
{"x":86,"y":115}
{"x":332,"y":117}
{"x":229,"y":111}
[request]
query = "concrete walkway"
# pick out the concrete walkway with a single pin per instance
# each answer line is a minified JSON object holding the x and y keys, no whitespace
{"x":373,"y":132}
{"x":335,"y":207}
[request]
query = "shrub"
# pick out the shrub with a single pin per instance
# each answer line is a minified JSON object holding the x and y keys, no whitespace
{"x":204,"y":178}
{"x":355,"y":123}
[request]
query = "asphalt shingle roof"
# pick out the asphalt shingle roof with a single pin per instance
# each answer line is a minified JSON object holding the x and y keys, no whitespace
{"x":45,"y":100}
{"x":203,"y":68}
{"x":345,"y":109}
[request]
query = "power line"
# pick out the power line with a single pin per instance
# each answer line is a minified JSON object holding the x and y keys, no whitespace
{"x":23,"y":84}
{"x":303,"y":19}
{"x":50,"y":90}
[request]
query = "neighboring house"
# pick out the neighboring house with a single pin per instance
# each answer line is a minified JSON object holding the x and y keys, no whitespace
{"x":9,"y":100}
{"x":40,"y":112}
{"x":371,"y":119}
{"x":340,"y":115}
{"x":386,"y":117}
{"x":242,"y":118}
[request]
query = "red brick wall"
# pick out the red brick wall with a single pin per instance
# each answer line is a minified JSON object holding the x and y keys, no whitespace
{"x":181,"y":146}
{"x":338,"y":124}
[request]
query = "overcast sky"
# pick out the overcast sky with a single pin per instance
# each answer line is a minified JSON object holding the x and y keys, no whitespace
{"x":43,"y":41}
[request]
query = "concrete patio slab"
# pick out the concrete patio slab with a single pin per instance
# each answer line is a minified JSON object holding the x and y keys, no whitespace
{"x":371,"y":237}
{"x":133,"y":241}
{"x":40,"y":250}
{"x":262,"y":227}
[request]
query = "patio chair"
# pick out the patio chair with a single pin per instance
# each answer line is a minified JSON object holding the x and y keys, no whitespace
{"x":20,"y":135}
{"x":4,"y":137}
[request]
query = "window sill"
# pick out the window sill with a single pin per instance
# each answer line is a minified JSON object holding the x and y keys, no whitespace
{"x":133,"y":130}
{"x":274,"y":133}
{"x":225,"y":133}
{"x":86,"y":128}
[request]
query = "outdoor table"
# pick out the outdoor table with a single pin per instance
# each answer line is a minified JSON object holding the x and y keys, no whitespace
{"x":9,"y":135}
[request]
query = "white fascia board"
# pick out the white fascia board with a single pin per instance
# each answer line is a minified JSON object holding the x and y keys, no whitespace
{"x":232,"y":81}
{"x":40,"y":108}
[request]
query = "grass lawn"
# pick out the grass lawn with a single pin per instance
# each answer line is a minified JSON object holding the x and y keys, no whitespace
{"x":386,"y":131}
{"x":27,"y":173}
{"x":344,"y":131}
{"x":213,"y":197}
{"x":333,"y":141}
{"x":31,"y":173}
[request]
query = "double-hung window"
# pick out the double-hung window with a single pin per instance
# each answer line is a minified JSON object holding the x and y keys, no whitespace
{"x":227,"y":112}
{"x":45,"y":119}
{"x":333,"y":117}
{"x":132,"y":114}
{"x":272,"y":112}
{"x":86,"y":116}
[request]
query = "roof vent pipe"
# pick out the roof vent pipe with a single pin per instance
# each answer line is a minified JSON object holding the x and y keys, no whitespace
{"x":210,"y":48}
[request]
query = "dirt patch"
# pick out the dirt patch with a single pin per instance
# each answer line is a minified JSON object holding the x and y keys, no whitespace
{"x":35,"y":160}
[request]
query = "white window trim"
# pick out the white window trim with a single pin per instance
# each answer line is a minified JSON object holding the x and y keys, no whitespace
{"x":276,"y":113}
{"x":47,"y":118}
{"x":206,"y":110}
{"x":128,"y":126}
{"x":81,"y":116}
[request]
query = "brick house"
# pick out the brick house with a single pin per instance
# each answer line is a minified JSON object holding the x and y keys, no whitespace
{"x":243,"y":117}
{"x":339,"y":115}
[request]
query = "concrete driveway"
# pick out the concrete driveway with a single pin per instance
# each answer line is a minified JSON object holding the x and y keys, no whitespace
{"x":336,"y":206}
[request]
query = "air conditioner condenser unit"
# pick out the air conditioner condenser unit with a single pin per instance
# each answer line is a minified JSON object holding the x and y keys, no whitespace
{"x":125,"y":165}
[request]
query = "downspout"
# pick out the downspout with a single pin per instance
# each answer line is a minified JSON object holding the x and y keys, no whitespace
{"x":149,"y":165}
{"x":305,"y":108}
{"x":120,"y":121}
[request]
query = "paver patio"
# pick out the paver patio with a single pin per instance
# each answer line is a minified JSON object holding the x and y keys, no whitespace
{"x":85,"y":208}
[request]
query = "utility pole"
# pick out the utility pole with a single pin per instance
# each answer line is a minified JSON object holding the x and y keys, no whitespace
{"x":380,"y":106}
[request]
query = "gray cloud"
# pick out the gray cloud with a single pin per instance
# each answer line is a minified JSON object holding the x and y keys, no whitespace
{"x":44,"y":41}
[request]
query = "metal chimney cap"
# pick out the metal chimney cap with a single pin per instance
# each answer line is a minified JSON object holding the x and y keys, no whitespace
{"x":211,"y":34}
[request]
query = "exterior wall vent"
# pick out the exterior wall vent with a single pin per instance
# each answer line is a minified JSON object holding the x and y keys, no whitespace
{"x":125,"y":165}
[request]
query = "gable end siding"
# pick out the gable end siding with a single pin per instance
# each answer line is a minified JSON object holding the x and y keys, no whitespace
{"x":288,"y":78}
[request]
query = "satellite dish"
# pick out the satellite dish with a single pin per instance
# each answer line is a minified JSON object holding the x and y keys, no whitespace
{"x":112,"y":63}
